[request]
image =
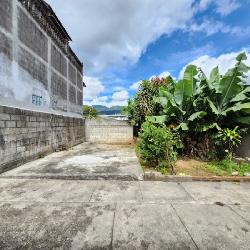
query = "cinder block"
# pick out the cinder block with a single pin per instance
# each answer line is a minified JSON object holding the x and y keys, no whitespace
{"x":20,"y":124}
{"x":4,"y":117}
{"x":33,"y":124}
{"x":2,"y":124}
{"x":10,"y":124}
{"x":42,"y":124}
{"x":15,"y":117}
{"x":26,"y":134}
{"x":33,"y":119}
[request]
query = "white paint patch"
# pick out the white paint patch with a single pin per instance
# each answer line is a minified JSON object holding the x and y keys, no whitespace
{"x":84,"y":160}
{"x":17,"y":85}
{"x":94,"y":160}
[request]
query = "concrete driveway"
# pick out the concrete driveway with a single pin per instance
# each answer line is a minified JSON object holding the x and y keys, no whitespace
{"x":87,"y":161}
{"x":77,"y":214}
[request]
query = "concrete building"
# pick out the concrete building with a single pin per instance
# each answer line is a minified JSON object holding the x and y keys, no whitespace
{"x":38,"y":69}
{"x":41,"y":88}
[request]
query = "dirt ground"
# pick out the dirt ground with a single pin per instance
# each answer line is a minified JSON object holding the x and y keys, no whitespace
{"x":192,"y":167}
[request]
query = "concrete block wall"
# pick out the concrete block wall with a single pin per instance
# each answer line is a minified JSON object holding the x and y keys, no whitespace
{"x":108,"y":131}
{"x":36,"y":73}
{"x":26,"y":135}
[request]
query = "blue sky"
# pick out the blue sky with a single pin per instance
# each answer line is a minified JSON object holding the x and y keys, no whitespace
{"x":122,"y":42}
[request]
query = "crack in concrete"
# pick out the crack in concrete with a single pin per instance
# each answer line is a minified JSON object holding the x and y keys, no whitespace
{"x":112,"y":229}
{"x":182,"y":222}
{"x":184,"y":189}
{"x":242,"y":217}
{"x":142,"y":199}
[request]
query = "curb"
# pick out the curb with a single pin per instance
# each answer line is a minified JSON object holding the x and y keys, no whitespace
{"x":173,"y":178}
{"x":116,"y":177}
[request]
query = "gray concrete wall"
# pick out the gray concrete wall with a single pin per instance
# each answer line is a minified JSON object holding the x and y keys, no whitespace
{"x":25,"y":135}
{"x":34,"y":72}
{"x":109,"y":131}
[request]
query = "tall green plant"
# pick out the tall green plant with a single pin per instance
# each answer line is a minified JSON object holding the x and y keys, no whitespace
{"x":199,"y":106}
{"x":229,"y":95}
{"x":180,"y":103}
{"x":198,"y":103}
{"x":143,"y":104}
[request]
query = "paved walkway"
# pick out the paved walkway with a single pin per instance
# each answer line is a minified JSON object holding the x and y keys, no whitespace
{"x":76,"y":214}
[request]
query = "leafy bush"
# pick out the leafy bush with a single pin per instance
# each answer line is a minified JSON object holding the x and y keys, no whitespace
{"x":89,"y":112}
{"x":143,"y":104}
{"x":156,"y":146}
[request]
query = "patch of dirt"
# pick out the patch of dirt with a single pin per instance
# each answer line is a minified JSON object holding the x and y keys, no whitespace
{"x":192,"y":167}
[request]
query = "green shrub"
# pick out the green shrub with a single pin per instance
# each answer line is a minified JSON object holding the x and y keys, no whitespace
{"x":89,"y":112}
{"x":156,"y":146}
{"x":228,"y":139}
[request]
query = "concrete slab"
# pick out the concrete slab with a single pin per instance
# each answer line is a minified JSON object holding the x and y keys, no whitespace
{"x":69,"y":191}
{"x":58,"y":214}
{"x":56,"y":226}
{"x":114,"y":191}
{"x":84,"y":162}
{"x":214,"y":227}
{"x":211,"y":192}
{"x":163,"y":192}
{"x":243,"y":211}
{"x":24,"y":190}
{"x":149,"y":227}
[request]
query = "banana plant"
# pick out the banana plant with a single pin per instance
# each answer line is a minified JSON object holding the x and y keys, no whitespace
{"x":229,"y":94}
{"x":203,"y":103}
{"x":180,"y":104}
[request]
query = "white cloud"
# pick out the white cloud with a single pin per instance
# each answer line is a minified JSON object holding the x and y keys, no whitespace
{"x":135,"y":86}
{"x":118,"y":88}
{"x":94,"y":87}
{"x":224,"y":61}
{"x":211,"y":27}
{"x":101,"y":100}
{"x":223,"y":7}
{"x":109,"y":32}
{"x":164,"y":74}
{"x":120,"y":96}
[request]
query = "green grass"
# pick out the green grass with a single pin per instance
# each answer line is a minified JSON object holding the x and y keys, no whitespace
{"x":227,"y":167}
{"x":218,"y":168}
{"x":164,"y":170}
{"x":214,"y":168}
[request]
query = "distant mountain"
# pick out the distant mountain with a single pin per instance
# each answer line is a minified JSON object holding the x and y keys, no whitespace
{"x":103,"y":110}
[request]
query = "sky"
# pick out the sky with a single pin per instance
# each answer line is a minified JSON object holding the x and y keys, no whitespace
{"x":122,"y":42}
